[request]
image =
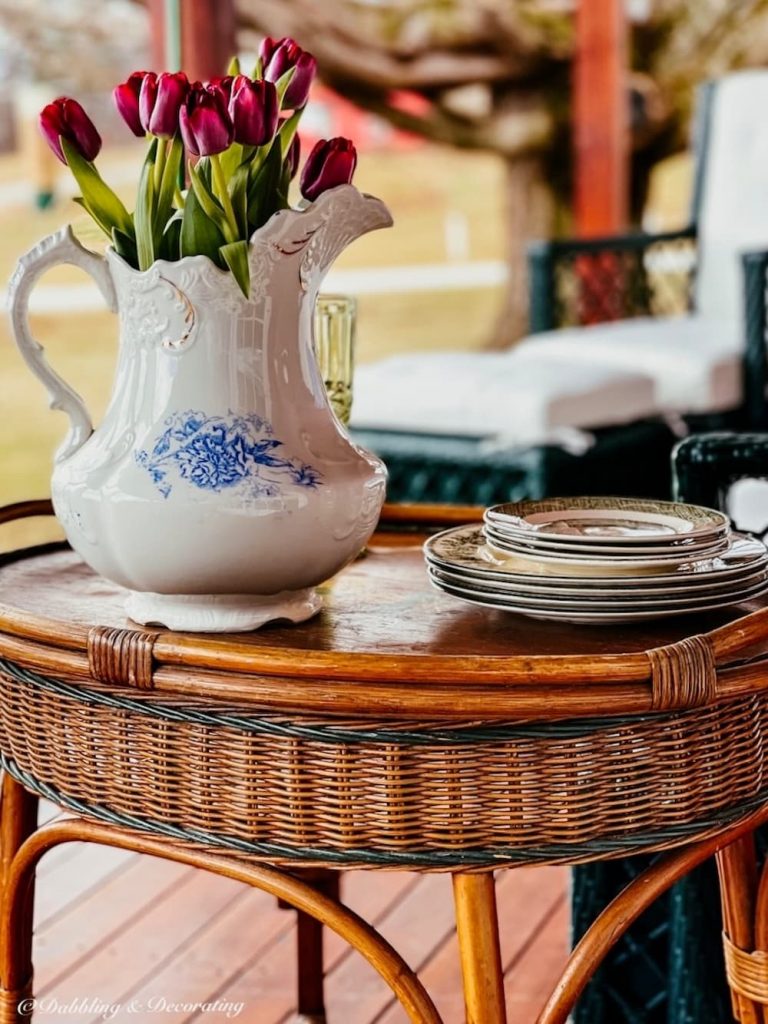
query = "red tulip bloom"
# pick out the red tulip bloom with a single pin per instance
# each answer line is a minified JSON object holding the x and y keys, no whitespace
{"x":160,"y":101}
{"x":126,"y":97}
{"x":224,"y":84}
{"x":278,"y":58}
{"x":267,"y":48}
{"x":206,"y":126}
{"x":253,"y":108}
{"x":65,"y":118}
{"x":293,"y":156}
{"x":332,"y":162}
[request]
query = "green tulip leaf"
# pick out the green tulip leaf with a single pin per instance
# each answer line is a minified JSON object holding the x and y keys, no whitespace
{"x":105,"y":227}
{"x":238,"y":191}
{"x":236,"y":257}
{"x":125,"y":246}
{"x":170,"y":243}
{"x":204,"y":171}
{"x":200,"y":236}
{"x":283,"y":187}
{"x":144,"y":215}
{"x":288,"y":130}
{"x":281,"y":85}
{"x":258,"y":70}
{"x":234,"y":67}
{"x":231,"y":159}
{"x":263,"y":198}
{"x":99,"y":200}
{"x":205,"y":198}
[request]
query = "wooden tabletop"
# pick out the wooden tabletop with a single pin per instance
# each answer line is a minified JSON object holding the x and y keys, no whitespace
{"x":383,"y":627}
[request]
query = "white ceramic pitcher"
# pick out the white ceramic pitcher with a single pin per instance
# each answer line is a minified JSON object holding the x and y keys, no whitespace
{"x":220,"y":488}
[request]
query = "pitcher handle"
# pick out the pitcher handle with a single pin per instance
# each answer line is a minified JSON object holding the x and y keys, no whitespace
{"x":61,"y":247}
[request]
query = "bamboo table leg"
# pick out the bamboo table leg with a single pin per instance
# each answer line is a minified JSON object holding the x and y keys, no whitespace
{"x":477,"y":926}
{"x":18,"y":820}
{"x":309,"y":939}
{"x":737,"y":870}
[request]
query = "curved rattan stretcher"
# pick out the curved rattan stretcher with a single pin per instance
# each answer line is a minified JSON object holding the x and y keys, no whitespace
{"x":400,"y":729}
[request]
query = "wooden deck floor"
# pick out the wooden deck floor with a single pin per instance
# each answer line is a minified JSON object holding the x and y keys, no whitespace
{"x":114,"y":929}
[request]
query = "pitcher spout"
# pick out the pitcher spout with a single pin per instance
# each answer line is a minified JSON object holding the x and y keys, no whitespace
{"x":313,"y":237}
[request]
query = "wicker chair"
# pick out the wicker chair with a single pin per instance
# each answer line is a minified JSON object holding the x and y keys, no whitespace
{"x":581,"y":282}
{"x":669,"y":968}
{"x":637,"y":282}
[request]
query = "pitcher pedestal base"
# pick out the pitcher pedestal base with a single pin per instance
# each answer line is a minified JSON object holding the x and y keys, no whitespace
{"x":221,"y":613}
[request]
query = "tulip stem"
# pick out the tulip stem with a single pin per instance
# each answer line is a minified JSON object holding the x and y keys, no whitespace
{"x":162,"y":152}
{"x":223,"y":193}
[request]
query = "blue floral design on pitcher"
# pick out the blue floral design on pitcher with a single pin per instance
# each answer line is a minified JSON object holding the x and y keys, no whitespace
{"x":214,"y":453}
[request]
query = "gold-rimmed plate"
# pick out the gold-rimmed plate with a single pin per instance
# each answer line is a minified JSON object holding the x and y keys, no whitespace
{"x":607,"y":519}
{"x":594,"y":555}
{"x":580,"y":616}
{"x":463,"y":549}
{"x":543,"y":591}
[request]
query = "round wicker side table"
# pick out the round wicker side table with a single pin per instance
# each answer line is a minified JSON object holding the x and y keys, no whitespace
{"x":398,"y":729}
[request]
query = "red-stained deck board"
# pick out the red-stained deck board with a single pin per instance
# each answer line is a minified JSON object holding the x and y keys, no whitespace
{"x":128,"y":930}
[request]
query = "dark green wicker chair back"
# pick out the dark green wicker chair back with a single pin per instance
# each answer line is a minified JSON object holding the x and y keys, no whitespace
{"x":706,"y":467}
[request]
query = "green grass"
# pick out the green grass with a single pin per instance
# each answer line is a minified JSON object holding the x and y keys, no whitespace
{"x":420,"y":186}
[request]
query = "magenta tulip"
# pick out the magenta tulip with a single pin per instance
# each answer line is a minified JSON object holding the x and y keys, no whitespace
{"x":224,"y":84}
{"x":332,"y":162}
{"x":147,"y":97}
{"x":65,"y":118}
{"x":206,"y":126}
{"x":160,"y":101}
{"x":293,"y":156}
{"x":280,"y":57}
{"x":253,"y":108}
{"x":126,"y":97}
{"x":267,"y":48}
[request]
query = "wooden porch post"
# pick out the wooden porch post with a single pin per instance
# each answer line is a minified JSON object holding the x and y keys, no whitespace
{"x":208,"y":37}
{"x":157,"y":33}
{"x":601,"y":118}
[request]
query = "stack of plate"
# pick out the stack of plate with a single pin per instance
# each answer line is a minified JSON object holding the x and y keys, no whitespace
{"x":599,"y":560}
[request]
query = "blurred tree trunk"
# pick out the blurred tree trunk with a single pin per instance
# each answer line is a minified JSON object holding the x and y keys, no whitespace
{"x":529,"y":214}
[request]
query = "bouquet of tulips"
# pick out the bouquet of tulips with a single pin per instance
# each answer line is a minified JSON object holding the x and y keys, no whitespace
{"x":240,"y":137}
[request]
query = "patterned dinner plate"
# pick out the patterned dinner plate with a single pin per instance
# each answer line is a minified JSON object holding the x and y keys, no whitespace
{"x":695,"y":589}
{"x":617,"y":520}
{"x":542,"y":543}
{"x":626,"y":557}
{"x":462,"y":549}
{"x":581,"y":617}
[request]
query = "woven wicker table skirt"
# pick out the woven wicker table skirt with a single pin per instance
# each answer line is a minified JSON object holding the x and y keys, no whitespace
{"x":324,"y":790}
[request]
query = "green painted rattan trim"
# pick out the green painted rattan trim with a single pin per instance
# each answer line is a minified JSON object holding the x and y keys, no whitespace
{"x":335,"y":734}
{"x":416,"y":858}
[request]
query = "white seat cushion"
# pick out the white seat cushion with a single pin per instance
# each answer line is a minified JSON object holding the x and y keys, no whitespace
{"x":695,"y":362}
{"x":520,"y":396}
